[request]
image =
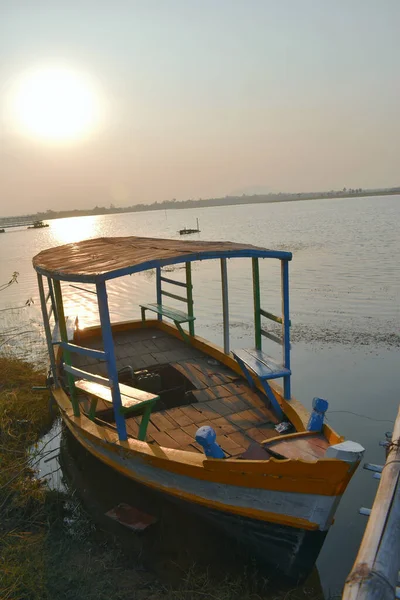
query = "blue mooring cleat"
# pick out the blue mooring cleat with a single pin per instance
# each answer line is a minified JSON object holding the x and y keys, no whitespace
{"x":316,"y":421}
{"x":206,"y":436}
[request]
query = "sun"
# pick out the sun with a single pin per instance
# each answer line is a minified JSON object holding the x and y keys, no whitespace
{"x":55,"y":104}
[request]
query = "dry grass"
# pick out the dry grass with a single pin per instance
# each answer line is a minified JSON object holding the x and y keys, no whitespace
{"x":23,"y":418}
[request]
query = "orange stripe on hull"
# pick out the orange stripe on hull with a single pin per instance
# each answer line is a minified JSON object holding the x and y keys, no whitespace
{"x":325,"y":477}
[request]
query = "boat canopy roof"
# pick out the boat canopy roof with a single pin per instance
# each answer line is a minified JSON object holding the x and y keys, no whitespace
{"x":105,"y":258}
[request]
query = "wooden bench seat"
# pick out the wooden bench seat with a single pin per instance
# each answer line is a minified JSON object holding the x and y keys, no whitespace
{"x":132,"y":400}
{"x":265,"y":368}
{"x":177,"y":316}
{"x":261,"y":364}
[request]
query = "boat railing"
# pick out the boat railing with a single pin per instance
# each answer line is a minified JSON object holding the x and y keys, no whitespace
{"x":81,"y":374}
{"x":53,"y":311}
{"x":268,"y":334}
{"x":49,"y":314}
{"x":188,"y":299}
{"x":260,"y":332}
{"x":376,"y":569}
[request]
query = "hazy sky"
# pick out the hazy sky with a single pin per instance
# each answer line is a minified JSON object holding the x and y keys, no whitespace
{"x":205,"y":98}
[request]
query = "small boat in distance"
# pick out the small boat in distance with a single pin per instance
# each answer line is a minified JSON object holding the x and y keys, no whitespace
{"x":186,"y":231}
{"x":38,"y":225}
{"x":204,"y":425}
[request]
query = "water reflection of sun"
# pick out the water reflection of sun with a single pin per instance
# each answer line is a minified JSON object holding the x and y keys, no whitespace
{"x":81,"y":300}
{"x":74,"y":229}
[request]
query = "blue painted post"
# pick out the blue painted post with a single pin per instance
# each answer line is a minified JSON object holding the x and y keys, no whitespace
{"x":158,"y":284}
{"x":316,"y":420}
{"x":285,"y":326}
{"x":108,"y":343}
{"x":206,"y":436}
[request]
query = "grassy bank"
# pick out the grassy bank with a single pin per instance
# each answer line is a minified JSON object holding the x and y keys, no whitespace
{"x":51,"y":549}
{"x":23,"y":502}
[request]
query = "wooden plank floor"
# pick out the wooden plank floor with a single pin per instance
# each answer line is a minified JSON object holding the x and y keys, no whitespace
{"x":310,"y":447}
{"x":225,"y":401}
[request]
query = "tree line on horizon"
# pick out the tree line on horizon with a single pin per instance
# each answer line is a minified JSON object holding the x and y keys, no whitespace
{"x":206,"y":202}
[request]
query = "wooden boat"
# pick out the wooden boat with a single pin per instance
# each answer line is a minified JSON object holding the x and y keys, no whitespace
{"x":38,"y":225}
{"x":205,"y":425}
{"x":187,"y":231}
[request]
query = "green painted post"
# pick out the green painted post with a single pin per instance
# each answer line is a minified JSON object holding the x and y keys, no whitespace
{"x":53,"y":301}
{"x":159,"y":294}
{"x":189,"y":289}
{"x":256,"y":296}
{"x":144,"y":423}
{"x":50,"y":347}
{"x":93,"y":408}
{"x":64,"y":338}
{"x":225,"y":304}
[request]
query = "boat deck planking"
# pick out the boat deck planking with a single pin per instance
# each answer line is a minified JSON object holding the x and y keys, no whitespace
{"x":307,"y":448}
{"x":239,"y":415}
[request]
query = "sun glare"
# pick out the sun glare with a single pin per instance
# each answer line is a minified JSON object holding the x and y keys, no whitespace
{"x":55,"y":104}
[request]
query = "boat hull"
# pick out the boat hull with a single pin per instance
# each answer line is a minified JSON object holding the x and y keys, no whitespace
{"x":283,"y":530}
{"x":290,"y":550}
{"x":280,"y":510}
{"x":287,"y":550}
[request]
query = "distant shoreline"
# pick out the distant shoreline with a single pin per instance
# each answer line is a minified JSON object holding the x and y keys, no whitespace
{"x":201,"y":203}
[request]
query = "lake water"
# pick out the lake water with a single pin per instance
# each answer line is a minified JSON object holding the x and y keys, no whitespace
{"x":345,"y":310}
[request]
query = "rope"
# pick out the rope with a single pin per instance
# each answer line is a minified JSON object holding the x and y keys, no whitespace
{"x":363,"y":416}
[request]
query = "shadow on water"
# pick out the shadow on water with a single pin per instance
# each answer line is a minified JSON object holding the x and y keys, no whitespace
{"x":172,"y":546}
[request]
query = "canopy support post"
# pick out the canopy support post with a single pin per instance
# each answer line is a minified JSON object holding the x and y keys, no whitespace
{"x":285,"y":326}
{"x":46,"y":323}
{"x":64,"y":338}
{"x":189,"y":289}
{"x":158,"y":285}
{"x":53,"y":300}
{"x":108,"y":343}
{"x":225,"y":303}
{"x":256,"y":296}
